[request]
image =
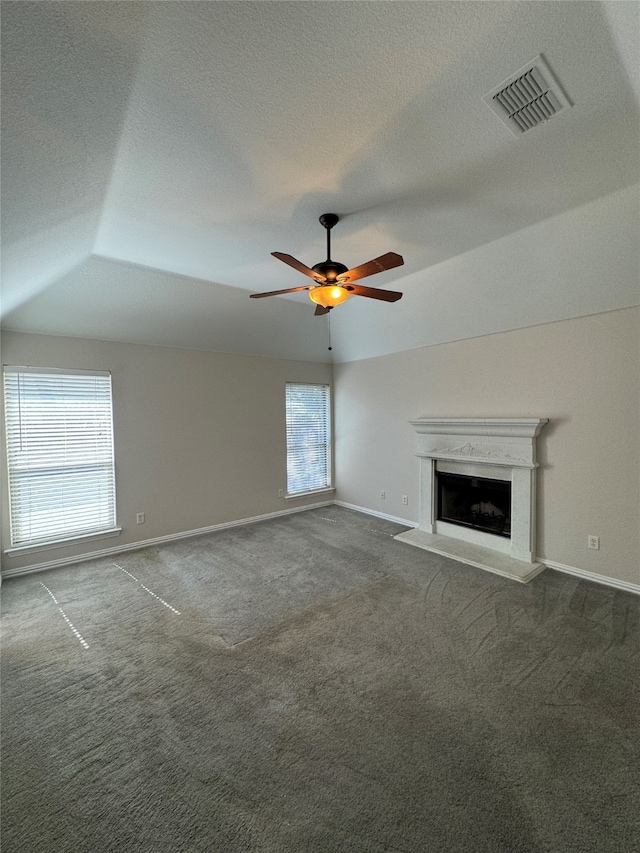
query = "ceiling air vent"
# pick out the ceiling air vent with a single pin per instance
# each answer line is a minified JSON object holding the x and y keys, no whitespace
{"x":528,"y":98}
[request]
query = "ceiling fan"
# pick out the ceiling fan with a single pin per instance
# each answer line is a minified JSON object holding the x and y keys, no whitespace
{"x":333,"y":281}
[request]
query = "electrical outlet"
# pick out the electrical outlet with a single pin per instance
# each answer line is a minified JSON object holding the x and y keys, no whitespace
{"x":383,"y":496}
{"x":280,"y":493}
{"x":593,"y":542}
{"x":405,"y":500}
{"x":140,"y":518}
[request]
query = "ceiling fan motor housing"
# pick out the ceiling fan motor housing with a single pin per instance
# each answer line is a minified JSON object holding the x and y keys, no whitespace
{"x":330,"y":269}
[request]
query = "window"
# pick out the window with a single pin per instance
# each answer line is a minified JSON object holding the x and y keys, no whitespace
{"x":59,"y":454}
{"x":308,"y":438}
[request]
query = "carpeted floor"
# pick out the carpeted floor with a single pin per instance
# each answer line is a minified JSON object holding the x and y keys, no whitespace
{"x":310,"y":684}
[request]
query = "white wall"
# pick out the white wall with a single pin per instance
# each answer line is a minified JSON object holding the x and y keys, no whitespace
{"x":199,"y":436}
{"x":582,"y":374}
{"x":583,"y":261}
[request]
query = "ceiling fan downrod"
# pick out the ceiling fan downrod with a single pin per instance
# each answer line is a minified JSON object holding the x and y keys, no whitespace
{"x":328,"y":220}
{"x":329,"y":269}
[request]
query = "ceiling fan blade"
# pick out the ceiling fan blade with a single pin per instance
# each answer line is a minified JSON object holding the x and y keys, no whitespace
{"x":374,"y":293}
{"x":384,"y":262}
{"x":297,"y":265}
{"x":320,"y":310}
{"x":277,"y":292}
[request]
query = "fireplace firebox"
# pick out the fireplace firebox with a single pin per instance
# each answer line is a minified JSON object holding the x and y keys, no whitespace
{"x":475,"y":502}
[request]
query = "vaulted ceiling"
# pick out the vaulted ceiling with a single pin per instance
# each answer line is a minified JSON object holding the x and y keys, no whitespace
{"x":154,"y":154}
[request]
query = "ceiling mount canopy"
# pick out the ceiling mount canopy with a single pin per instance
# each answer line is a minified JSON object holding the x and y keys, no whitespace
{"x":333,"y":279}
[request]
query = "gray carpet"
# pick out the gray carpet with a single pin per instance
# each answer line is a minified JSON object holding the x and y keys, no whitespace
{"x":310,"y":684}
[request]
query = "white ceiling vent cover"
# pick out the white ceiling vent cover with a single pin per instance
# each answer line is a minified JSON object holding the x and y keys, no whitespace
{"x":528,"y":98}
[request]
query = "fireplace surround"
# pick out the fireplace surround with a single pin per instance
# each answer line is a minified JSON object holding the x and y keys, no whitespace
{"x":502,"y":450}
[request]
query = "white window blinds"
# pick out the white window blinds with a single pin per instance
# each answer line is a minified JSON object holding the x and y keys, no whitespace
{"x":308,"y":437}
{"x":59,"y":453}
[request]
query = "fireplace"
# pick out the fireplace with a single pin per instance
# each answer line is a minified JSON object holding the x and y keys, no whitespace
{"x":476,"y":502}
{"x":477,"y":492}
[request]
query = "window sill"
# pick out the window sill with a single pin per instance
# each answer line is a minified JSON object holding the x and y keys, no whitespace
{"x":64,"y":543}
{"x":308,"y":494}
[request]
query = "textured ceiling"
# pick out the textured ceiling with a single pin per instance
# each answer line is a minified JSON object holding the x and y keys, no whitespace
{"x":187,"y":141}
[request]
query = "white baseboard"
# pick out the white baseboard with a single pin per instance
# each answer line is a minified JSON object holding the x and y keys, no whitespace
{"x":384,"y":515}
{"x":592,"y":576}
{"x":159,"y":540}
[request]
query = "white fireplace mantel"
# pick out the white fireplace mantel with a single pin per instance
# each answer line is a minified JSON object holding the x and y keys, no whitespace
{"x":494,"y":448}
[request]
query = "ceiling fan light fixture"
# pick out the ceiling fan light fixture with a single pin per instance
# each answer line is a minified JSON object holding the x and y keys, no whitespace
{"x":329,"y":295}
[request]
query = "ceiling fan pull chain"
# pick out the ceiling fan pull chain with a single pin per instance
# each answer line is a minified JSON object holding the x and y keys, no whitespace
{"x":329,"y":330}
